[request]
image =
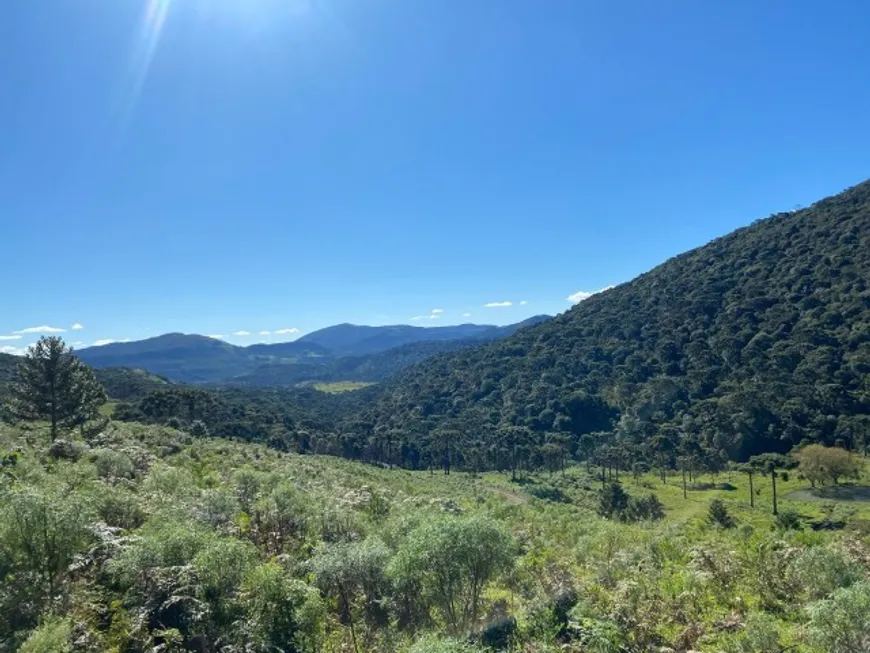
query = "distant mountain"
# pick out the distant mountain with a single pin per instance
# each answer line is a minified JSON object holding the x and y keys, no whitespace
{"x":329,"y":355}
{"x":374,"y":367}
{"x":355,"y":340}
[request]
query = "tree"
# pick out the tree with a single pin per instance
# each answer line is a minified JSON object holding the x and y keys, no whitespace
{"x":612,"y":501}
{"x":54,"y":385}
{"x":749,"y":470}
{"x":353,"y":573}
{"x":718,"y":514}
{"x":449,"y":562}
{"x":818,"y":463}
{"x":771,"y":464}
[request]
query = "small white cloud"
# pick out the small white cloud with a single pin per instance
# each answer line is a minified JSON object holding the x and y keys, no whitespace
{"x":265,"y":333}
{"x":76,"y":327}
{"x":78,"y":343}
{"x":580,"y":295}
{"x":284,"y":332}
{"x":109,"y":341}
{"x":437,"y":310}
{"x":498,"y":304}
{"x":41,"y":329}
{"x":241,"y":333}
{"x":15,"y":351}
{"x":523,"y":303}
{"x":217,"y":336}
{"x":10,"y":337}
{"x":466,"y":315}
{"x":417,"y":318}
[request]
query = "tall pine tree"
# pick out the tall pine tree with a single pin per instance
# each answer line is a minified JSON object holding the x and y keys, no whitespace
{"x":53,"y":385}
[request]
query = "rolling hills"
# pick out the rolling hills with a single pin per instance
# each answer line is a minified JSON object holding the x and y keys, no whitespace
{"x":341,"y":353}
{"x":754,"y":342}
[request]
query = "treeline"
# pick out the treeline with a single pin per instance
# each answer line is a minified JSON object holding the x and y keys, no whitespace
{"x":754,"y":343}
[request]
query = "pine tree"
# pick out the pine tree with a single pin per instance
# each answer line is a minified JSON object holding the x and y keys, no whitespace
{"x":53,"y":385}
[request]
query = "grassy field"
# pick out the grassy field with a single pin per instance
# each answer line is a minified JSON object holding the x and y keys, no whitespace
{"x":679,"y":582}
{"x":341,"y":386}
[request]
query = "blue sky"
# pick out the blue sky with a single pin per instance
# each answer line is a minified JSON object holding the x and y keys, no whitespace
{"x":222,"y":166}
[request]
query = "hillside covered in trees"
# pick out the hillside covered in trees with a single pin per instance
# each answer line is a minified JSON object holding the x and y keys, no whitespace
{"x":752,"y":343}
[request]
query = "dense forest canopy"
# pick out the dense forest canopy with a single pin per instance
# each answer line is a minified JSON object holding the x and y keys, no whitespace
{"x":754,"y":342}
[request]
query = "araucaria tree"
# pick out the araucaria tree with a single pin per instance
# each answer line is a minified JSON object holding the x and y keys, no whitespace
{"x":53,"y":385}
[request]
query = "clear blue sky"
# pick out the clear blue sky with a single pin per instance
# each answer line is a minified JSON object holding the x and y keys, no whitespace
{"x":221,"y":165}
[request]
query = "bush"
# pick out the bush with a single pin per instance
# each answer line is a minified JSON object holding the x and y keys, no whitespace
{"x":53,"y":636}
{"x":435,"y":644}
{"x":112,"y":464}
{"x":612,"y":501}
{"x":841,"y":623}
{"x":448,"y":562}
{"x":648,"y":507}
{"x":283,"y":614}
{"x":718,"y":514}
{"x":820,"y":571}
{"x":788,"y":520}
{"x":760,"y":635}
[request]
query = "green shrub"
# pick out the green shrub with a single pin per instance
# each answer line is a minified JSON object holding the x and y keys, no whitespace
{"x":788,"y":520}
{"x":820,"y":571}
{"x":112,"y":464}
{"x":53,"y":636}
{"x":283,"y":613}
{"x":718,"y":515}
{"x":449,"y":561}
{"x":841,"y":623}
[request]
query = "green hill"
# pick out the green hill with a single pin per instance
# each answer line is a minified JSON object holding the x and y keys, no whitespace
{"x":754,"y":342}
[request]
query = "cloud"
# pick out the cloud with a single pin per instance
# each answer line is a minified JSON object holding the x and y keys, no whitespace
{"x":108,"y":341}
{"x":466,"y":315}
{"x":15,"y":351}
{"x":523,"y":303}
{"x":76,"y":327}
{"x":498,"y":304}
{"x":284,"y":332}
{"x":417,"y":318}
{"x":41,"y":329}
{"x":78,"y":343}
{"x":217,"y":336}
{"x":241,"y":333}
{"x":437,"y":310}
{"x":10,"y":337}
{"x":265,"y":333}
{"x":580,"y":295}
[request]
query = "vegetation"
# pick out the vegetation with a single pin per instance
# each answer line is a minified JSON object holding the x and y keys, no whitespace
{"x":754,"y":343}
{"x":626,"y":477}
{"x":52,"y":384}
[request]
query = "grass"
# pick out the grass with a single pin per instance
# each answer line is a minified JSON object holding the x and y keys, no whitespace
{"x":341,"y":386}
{"x":552,"y":516}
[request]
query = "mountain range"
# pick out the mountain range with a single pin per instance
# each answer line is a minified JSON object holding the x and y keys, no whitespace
{"x":345,"y":352}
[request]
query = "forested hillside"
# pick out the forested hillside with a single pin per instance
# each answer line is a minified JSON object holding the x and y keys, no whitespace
{"x":752,"y":343}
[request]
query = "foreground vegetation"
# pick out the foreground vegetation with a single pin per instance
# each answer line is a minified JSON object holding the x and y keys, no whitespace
{"x":145,"y":538}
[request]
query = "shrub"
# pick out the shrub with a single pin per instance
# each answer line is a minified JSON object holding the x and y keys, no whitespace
{"x":53,"y":636}
{"x":718,"y":514}
{"x":435,"y":644}
{"x":112,"y":464}
{"x":450,"y":561}
{"x":788,"y":520}
{"x":639,"y":509}
{"x":283,"y":613}
{"x":820,"y":571}
{"x":760,"y":635}
{"x":612,"y":501}
{"x":841,"y":623}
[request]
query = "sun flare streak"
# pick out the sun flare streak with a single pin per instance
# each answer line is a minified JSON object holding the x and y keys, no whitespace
{"x":153,"y":22}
